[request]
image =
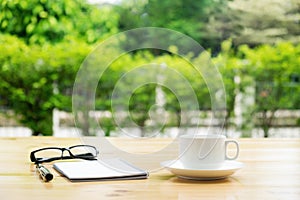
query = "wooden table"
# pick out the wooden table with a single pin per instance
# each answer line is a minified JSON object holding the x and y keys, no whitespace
{"x":272,"y":171}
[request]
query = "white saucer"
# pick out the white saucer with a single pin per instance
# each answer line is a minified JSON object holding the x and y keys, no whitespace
{"x":177,"y":168}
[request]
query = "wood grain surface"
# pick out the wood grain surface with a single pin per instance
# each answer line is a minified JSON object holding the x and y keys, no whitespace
{"x":271,"y":171}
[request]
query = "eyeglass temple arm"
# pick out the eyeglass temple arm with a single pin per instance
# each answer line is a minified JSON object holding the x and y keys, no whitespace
{"x":32,"y":157}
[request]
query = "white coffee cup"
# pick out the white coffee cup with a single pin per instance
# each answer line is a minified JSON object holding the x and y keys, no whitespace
{"x":204,"y":151}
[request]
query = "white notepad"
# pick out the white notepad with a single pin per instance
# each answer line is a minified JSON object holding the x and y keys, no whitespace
{"x":110,"y":169}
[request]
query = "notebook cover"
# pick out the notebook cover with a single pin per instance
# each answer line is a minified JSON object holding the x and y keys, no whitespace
{"x":110,"y":169}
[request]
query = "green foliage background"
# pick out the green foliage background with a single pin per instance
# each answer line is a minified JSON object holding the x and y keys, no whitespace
{"x":43,"y":43}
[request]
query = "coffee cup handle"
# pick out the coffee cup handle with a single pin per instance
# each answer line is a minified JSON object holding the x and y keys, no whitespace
{"x":237,"y":150}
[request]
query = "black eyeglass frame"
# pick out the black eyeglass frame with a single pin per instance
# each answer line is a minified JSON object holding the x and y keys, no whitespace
{"x":85,"y":156}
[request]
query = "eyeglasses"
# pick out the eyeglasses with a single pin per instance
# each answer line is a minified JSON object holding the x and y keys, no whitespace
{"x":49,"y":154}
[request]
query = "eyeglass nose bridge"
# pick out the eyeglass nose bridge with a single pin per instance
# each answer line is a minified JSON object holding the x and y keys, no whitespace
{"x":65,"y":149}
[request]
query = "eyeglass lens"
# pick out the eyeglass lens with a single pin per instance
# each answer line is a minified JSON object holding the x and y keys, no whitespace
{"x":49,"y":153}
{"x":83,"y":151}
